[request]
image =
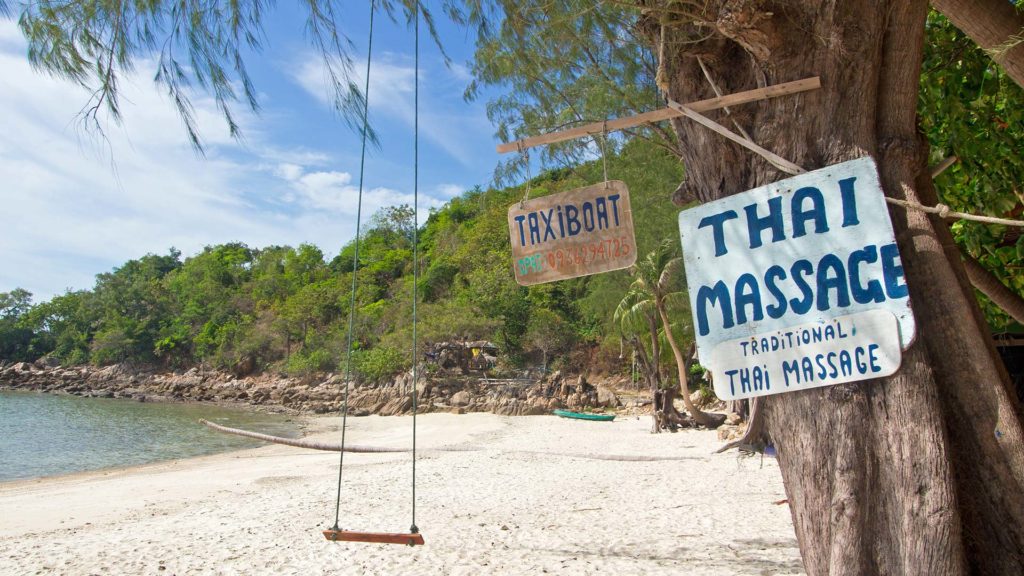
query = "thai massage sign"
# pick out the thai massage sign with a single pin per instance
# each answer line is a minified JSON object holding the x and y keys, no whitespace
{"x":575,"y":233}
{"x":797,"y":284}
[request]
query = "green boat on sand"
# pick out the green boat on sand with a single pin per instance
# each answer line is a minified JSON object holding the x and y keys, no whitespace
{"x":584,"y":415}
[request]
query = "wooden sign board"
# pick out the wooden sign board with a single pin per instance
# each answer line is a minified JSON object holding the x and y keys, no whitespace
{"x":797,"y":284}
{"x":575,"y":233}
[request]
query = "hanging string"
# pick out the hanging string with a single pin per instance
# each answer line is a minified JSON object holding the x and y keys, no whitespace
{"x":355,"y":266}
{"x":786,"y":166}
{"x":941,"y":209}
{"x":415,"y":253}
{"x":526,"y":157}
{"x":604,"y":162}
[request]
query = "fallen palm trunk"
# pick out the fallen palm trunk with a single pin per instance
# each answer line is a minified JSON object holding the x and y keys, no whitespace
{"x":333,"y":447}
{"x":311,"y":444}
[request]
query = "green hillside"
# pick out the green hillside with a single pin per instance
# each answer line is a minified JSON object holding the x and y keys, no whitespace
{"x":279,"y":307}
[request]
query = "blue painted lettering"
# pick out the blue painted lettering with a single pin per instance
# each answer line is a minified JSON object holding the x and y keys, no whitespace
{"x":572,"y":220}
{"x":873,"y":291}
{"x":522,"y":232}
{"x":774,"y":274}
{"x":827,"y":282}
{"x":748,"y":293}
{"x":816,"y":213}
{"x":800,"y":269}
{"x":892,"y":271}
{"x":716,"y":222}
{"x":849,"y":202}
{"x":706,"y":295}
{"x":757,"y":224}
{"x":588,"y":217}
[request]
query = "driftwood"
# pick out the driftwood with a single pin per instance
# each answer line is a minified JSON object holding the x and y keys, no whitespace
{"x":755,"y":428}
{"x":333,"y":447}
{"x":311,"y":444}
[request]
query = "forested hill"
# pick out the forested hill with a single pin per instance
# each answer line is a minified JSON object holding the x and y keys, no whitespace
{"x":249,"y":308}
{"x":252,"y":308}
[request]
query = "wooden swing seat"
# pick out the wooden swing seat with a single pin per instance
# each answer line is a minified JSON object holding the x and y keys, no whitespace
{"x":374,"y":537}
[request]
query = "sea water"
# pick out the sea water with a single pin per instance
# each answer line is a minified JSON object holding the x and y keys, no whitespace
{"x":46,"y":435}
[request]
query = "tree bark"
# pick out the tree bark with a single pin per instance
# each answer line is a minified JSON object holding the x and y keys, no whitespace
{"x":990,"y":286}
{"x":991,"y":24}
{"x":921,"y":472}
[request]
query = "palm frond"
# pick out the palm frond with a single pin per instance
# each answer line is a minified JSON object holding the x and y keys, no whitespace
{"x":678,"y":302}
{"x":670,"y":273}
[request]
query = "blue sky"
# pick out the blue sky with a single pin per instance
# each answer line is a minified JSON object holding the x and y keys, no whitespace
{"x":73,"y":205}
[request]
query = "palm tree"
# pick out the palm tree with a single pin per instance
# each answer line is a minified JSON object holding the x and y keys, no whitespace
{"x":646,"y":305}
{"x":637,"y":318}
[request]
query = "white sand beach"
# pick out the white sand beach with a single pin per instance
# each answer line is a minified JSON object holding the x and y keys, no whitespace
{"x":515,"y":506}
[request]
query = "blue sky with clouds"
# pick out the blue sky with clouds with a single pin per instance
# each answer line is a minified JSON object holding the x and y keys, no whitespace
{"x":73,"y":205}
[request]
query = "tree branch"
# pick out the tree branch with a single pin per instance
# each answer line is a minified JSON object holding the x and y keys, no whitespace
{"x":990,"y":286}
{"x":995,"y":25}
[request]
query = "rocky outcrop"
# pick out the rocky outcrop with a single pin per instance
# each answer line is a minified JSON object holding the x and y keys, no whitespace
{"x":318,"y":394}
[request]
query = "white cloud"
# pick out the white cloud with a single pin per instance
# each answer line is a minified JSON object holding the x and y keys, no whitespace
{"x":289,"y":171}
{"x":460,"y":72}
{"x":10,"y":35}
{"x":391,"y":84}
{"x":335,"y":193}
{"x":392,"y":96}
{"x":300,"y":156}
{"x":70,"y":211}
{"x":449,"y":191}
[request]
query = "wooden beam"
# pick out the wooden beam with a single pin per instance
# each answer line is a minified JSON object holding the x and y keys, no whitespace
{"x":663,"y":114}
{"x":374,"y":537}
{"x":776,"y":160}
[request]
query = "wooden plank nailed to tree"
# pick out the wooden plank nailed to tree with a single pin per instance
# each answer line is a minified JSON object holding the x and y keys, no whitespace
{"x":594,"y":128}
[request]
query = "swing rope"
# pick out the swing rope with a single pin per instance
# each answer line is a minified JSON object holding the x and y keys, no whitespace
{"x":335,"y":533}
{"x":415,"y":252}
{"x":355,"y":266}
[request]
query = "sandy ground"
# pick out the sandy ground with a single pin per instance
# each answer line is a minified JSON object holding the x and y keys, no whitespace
{"x":515,"y":506}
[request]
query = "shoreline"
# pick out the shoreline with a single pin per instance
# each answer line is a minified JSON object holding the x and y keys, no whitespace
{"x":50,"y":435}
{"x":318,"y":393}
{"x":516,"y":505}
{"x":94,"y":473}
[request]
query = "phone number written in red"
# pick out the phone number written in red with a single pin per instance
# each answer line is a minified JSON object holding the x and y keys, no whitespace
{"x":566,"y":257}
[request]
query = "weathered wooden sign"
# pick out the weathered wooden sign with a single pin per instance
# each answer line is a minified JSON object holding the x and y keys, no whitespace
{"x":797,"y":284}
{"x":575,"y":233}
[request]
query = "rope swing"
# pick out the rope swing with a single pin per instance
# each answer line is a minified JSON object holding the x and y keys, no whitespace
{"x":413,"y":537}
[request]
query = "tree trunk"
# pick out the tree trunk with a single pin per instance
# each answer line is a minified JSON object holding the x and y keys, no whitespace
{"x":755,"y":428}
{"x":301,"y":442}
{"x":986,"y":282}
{"x":921,"y":472}
{"x":652,"y":376}
{"x":992,"y":24}
{"x":667,"y":417}
{"x":654,"y":364}
{"x":700,"y":417}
